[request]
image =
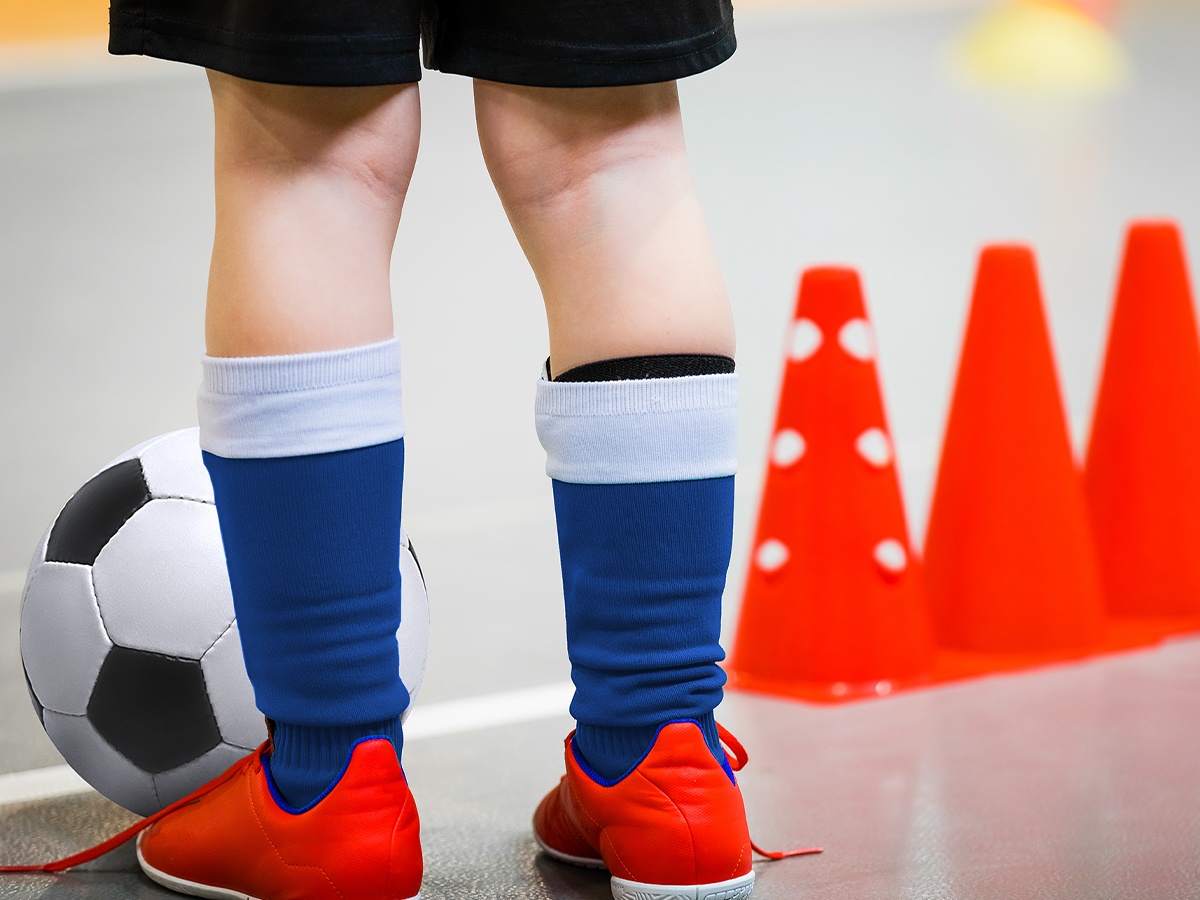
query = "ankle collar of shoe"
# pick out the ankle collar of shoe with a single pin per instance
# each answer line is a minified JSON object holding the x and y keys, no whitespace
{"x":287,"y":807}
{"x":726,"y":738}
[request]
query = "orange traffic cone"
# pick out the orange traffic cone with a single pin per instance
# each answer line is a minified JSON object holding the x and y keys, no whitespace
{"x":1143,"y":464}
{"x":834,"y":605}
{"x":1009,"y":557}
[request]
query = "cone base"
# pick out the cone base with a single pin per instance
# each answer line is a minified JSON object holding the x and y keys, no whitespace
{"x":824,"y":692}
{"x":1122,"y":634}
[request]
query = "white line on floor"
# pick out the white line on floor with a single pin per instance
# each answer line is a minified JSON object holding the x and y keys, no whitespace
{"x":40,"y":784}
{"x":427,"y":721}
{"x":488,"y":711}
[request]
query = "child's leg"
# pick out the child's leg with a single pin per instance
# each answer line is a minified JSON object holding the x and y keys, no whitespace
{"x":300,"y":409}
{"x":302,"y":432}
{"x":597,"y":186}
{"x":310,"y":183}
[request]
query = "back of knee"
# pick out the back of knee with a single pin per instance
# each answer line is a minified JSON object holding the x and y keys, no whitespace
{"x":366,"y":137}
{"x":546,"y":146}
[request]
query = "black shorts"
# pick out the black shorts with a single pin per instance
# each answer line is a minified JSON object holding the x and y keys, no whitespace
{"x":549,"y":43}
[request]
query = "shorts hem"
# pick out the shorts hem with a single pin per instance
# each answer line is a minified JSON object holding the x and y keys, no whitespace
{"x":557,"y":65}
{"x":316,"y":61}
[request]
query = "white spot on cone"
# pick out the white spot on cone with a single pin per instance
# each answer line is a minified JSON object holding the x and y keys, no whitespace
{"x":891,"y":556}
{"x":788,"y":447}
{"x":875,"y":447}
{"x":806,"y":339}
{"x":857,"y":339}
{"x":771,"y":555}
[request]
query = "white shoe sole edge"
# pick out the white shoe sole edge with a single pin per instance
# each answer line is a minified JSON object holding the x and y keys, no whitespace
{"x":194,"y":889}
{"x":587,"y":862}
{"x":622,"y":889}
{"x":733,"y":889}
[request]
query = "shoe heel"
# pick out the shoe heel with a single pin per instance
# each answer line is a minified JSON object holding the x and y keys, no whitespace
{"x":734,"y":889}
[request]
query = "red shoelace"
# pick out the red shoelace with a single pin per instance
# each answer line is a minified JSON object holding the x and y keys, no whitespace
{"x":737,"y":763}
{"x":136,"y":828}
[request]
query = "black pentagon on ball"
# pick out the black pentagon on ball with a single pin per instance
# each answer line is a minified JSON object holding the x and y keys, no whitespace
{"x":413,"y":553}
{"x":153,"y":709}
{"x":96,"y":512}
{"x":37,"y":704}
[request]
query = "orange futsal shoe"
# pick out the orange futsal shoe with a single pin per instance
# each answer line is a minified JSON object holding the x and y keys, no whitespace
{"x":235,"y":839}
{"x":674,"y":828}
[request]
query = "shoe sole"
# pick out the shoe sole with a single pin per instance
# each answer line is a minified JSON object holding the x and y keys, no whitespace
{"x":622,"y":889}
{"x":195,"y":889}
{"x":586,"y":862}
{"x":734,"y":889}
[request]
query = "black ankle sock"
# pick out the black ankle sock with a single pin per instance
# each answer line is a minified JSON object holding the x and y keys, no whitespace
{"x":634,"y":368}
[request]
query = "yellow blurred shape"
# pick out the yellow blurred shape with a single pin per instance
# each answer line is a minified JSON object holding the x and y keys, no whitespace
{"x":1041,"y":45}
{"x":42,"y":20}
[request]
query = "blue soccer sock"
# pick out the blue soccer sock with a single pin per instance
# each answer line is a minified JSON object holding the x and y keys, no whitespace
{"x":306,"y":759}
{"x":643,"y":493}
{"x":306,"y":456}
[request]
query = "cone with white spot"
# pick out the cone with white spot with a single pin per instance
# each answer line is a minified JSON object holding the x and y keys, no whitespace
{"x":834,"y":607}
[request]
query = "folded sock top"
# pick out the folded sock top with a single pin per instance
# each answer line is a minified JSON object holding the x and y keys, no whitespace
{"x":629,"y":432}
{"x":301,"y":404}
{"x":301,"y":371}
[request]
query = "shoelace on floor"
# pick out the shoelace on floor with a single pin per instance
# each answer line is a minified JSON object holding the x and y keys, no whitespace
{"x":136,"y":828}
{"x":740,"y":758}
{"x":737,"y":763}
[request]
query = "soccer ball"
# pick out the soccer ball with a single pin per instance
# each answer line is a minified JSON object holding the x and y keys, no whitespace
{"x":128,"y":637}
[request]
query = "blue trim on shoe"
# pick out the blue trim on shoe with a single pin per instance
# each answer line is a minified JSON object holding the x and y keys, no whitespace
{"x":724,"y":761}
{"x":606,"y":782}
{"x":292,"y":810}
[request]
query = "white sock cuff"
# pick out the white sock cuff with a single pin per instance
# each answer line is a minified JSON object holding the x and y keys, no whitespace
{"x":301,"y":404}
{"x":628,"y":432}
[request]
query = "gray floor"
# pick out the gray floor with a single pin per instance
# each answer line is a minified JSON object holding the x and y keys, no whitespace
{"x":1077,"y":782}
{"x":831,"y":136}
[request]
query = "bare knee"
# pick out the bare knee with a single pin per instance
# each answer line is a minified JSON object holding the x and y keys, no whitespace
{"x":544,"y":147}
{"x":364,"y":137}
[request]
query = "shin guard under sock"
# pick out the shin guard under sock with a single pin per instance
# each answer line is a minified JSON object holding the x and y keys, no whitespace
{"x":643,"y":492}
{"x":306,"y":457}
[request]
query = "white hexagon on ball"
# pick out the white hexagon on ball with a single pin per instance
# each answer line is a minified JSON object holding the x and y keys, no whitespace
{"x":63,"y":640}
{"x":155,"y":598}
{"x":173,"y":467}
{"x":230,"y":692}
{"x":100,"y":765}
{"x":413,"y":634}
